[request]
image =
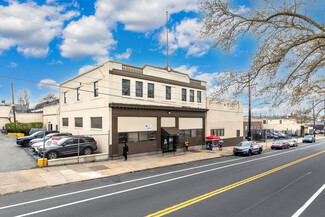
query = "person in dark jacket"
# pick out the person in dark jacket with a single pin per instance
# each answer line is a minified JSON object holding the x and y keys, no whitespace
{"x":125,"y":151}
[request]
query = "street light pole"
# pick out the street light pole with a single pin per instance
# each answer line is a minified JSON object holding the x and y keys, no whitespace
{"x":314,"y":132}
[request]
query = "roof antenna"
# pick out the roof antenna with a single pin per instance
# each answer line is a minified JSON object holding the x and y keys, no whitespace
{"x":168,"y":67}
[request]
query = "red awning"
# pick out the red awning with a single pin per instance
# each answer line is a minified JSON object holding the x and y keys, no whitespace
{"x":212,"y":137}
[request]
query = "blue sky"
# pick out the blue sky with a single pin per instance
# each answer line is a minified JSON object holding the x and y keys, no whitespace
{"x":51,"y":41}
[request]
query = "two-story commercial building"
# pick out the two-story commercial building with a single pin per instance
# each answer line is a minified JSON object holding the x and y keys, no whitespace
{"x":152,"y":109}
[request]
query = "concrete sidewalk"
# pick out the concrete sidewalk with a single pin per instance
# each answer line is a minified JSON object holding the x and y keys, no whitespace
{"x":24,"y":180}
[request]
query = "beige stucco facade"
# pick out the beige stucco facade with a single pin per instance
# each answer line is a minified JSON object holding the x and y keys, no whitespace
{"x":282,"y":124}
{"x":109,"y":77}
{"x":51,"y":117}
{"x":226,"y":115}
{"x":20,"y":117}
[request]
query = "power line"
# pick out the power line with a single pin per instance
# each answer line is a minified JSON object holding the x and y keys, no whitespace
{"x":75,"y":81}
{"x":70,"y":88}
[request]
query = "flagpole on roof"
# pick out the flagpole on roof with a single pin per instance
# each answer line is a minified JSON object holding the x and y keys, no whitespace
{"x":167,"y":36}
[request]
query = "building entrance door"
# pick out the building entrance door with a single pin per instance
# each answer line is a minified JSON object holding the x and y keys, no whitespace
{"x":168,"y":143}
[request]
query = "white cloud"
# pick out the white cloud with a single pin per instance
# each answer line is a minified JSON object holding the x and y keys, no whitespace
{"x":80,"y":41}
{"x":208,"y":77}
{"x":48,"y":84}
{"x":13,"y":65}
{"x":141,"y":16}
{"x":28,"y":28}
{"x":91,"y":35}
{"x":185,"y":35}
{"x":55,"y":62}
{"x":125,"y":55}
{"x":85,"y":68}
{"x":190,"y":70}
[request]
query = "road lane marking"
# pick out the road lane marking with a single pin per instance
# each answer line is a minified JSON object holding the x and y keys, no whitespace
{"x":226,"y":188}
{"x":158,"y":175}
{"x":241,"y":213}
{"x":305,"y":206}
{"x":157,"y":183}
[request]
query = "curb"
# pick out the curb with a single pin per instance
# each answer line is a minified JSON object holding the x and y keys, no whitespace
{"x":105,"y":177}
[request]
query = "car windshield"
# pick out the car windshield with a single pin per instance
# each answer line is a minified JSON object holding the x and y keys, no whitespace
{"x":308,"y":137}
{"x":244,"y":144}
{"x":278,"y":142}
{"x":61,"y":141}
{"x":36,"y":133}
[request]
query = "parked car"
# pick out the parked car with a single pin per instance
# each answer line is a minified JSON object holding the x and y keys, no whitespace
{"x":282,"y":135}
{"x":292,"y":142}
{"x":272,"y":136}
{"x":69,"y":146}
{"x":24,"y":141}
{"x":47,"y":137}
{"x":308,"y":138}
{"x":247,"y":148}
{"x":50,"y":141}
{"x":280,"y":144}
{"x":34,"y":130}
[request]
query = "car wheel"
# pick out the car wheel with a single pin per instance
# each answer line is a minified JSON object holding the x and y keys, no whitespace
{"x":52,"y":155}
{"x":249,"y":153}
{"x":87,"y":151}
{"x":235,"y":154}
{"x":260,"y":151}
{"x":25,"y":144}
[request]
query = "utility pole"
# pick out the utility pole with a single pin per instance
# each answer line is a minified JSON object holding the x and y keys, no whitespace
{"x":13,"y":102}
{"x":249,"y":133}
{"x":314,"y":132}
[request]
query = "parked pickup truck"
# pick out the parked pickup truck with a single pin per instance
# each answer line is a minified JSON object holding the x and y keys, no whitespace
{"x":248,"y":148}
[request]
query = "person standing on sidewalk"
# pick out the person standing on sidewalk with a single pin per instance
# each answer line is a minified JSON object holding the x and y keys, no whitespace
{"x":220,"y":144}
{"x":186,"y":145}
{"x":125,"y":151}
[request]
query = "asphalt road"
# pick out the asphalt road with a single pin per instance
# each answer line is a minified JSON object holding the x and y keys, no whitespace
{"x":276,"y":183}
{"x":12,"y":156}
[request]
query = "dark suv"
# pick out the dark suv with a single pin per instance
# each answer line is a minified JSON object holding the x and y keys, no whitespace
{"x":69,"y":146}
{"x":24,"y":141}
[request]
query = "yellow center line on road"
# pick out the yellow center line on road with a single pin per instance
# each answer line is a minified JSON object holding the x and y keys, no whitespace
{"x":226,"y":188}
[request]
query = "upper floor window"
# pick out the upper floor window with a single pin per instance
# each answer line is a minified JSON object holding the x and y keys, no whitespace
{"x":151,"y":90}
{"x":191,"y":95}
{"x":168,"y":92}
{"x":78,"y":122}
{"x":280,"y":121}
{"x":95,"y":88}
{"x":125,"y":87}
{"x":139,"y":88}
{"x":78,"y":94}
{"x":96,"y":122}
{"x":218,"y":132}
{"x":65,"y":122}
{"x":183,"y":94}
{"x":65,"y":97}
{"x":199,"y":96}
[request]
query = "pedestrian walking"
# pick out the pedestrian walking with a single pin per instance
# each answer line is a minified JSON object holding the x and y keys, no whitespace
{"x":125,"y":151}
{"x":220,"y":144}
{"x":186,"y":145}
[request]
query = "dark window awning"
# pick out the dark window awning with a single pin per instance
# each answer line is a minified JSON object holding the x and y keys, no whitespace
{"x":171,"y":131}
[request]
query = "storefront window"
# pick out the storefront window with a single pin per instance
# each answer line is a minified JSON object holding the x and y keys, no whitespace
{"x":133,"y":137}
{"x":122,"y":138}
{"x":187,"y":133}
{"x":193,"y":133}
{"x":143,"y":136}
